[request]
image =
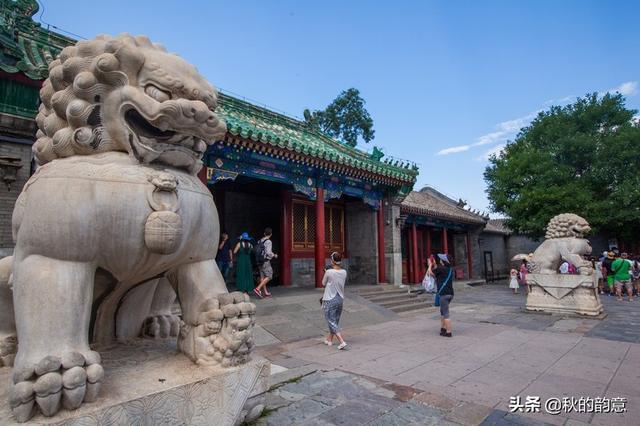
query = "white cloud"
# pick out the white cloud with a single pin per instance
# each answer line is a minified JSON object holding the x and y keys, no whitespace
{"x":629,"y":88}
{"x":496,"y":150}
{"x":507,"y":130}
{"x":454,"y":149}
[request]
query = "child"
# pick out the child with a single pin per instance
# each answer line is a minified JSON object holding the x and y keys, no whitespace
{"x":513,"y":284}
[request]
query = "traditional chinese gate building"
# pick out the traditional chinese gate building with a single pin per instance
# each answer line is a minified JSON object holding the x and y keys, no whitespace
{"x":435,"y":223}
{"x":318,"y":194}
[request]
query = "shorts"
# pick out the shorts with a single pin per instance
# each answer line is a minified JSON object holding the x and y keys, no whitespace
{"x":626,"y":283}
{"x":266,"y":271}
{"x":444,"y":305}
{"x":610,"y":280}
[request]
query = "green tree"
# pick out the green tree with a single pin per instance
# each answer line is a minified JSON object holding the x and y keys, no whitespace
{"x":582,"y":158}
{"x":345,"y":118}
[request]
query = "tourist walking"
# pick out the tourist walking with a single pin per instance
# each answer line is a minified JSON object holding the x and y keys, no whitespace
{"x":599,"y":276}
{"x":513,"y":283}
{"x":333,"y":298}
{"x":244,"y":273}
{"x":621,"y":269}
{"x":635,"y":274}
{"x":224,"y":257}
{"x":607,"y":270}
{"x":524,"y":270}
{"x":264,"y":254}
{"x":443,"y":272}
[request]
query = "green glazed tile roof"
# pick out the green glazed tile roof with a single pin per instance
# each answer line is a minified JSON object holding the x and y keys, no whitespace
{"x":28,"y":48}
{"x":259,"y":124}
{"x":25,"y":46}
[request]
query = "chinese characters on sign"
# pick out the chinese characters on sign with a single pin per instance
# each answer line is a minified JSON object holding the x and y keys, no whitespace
{"x":555,"y":406}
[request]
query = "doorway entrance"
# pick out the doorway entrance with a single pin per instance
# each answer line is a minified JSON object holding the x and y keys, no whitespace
{"x":251,"y":205}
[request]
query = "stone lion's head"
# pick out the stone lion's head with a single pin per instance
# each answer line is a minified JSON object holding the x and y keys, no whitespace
{"x":126,"y":94}
{"x":567,"y":225}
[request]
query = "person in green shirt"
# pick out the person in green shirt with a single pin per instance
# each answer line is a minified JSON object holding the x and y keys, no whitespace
{"x":621,"y":268}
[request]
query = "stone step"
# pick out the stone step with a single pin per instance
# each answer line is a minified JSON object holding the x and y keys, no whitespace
{"x":376,"y":290}
{"x":386,"y":292}
{"x":390,"y":297}
{"x":405,"y":302}
{"x":411,"y":307}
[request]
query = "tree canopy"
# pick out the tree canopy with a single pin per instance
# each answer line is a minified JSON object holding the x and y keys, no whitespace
{"x":582,"y":158}
{"x":345,"y":118}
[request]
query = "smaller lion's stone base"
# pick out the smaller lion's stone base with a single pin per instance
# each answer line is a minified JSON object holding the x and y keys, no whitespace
{"x":149,"y":382}
{"x":564,"y":294}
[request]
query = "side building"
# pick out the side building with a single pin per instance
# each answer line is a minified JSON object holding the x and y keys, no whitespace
{"x":435,"y":223}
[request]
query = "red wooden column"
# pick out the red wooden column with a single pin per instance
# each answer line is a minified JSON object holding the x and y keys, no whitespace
{"x":469,"y":256}
{"x":414,"y":252}
{"x":445,"y":243}
{"x":285,"y":226}
{"x":428,"y":243}
{"x":382,"y":272}
{"x":319,"y":241}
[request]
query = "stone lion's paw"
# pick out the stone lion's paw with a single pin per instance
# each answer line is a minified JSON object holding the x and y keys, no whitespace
{"x":55,"y":381}
{"x":234,"y":342}
{"x":222,"y":335}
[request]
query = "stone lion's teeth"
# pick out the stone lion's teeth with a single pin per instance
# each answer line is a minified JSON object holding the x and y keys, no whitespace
{"x":163,"y":125}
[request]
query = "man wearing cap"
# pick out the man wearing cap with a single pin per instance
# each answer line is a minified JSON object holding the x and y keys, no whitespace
{"x":621,"y":268}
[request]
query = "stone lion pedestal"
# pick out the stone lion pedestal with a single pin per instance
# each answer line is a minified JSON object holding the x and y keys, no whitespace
{"x":150,"y":382}
{"x":565,"y":294}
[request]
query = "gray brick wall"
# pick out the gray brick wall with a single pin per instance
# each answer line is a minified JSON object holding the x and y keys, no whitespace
{"x":8,"y":197}
{"x":361,"y":238}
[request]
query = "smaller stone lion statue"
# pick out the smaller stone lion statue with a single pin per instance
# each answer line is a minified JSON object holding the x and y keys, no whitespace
{"x":564,"y":242}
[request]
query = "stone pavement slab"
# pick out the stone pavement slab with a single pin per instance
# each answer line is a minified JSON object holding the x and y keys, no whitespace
{"x":497,"y":352}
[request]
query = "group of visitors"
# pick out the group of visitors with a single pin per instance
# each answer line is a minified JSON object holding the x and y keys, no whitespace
{"x":333,"y":281}
{"x":618,"y":273}
{"x":246,"y":255}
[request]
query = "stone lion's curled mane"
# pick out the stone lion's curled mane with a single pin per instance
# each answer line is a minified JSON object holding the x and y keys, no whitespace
{"x":79,"y":79}
{"x":567,"y":225}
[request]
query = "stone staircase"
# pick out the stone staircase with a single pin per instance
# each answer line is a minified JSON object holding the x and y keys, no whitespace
{"x":398,"y":300}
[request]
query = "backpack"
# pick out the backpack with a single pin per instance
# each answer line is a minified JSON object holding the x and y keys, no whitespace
{"x":260,"y":252}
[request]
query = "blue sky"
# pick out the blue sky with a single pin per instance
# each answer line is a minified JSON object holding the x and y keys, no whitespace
{"x":446,"y":82}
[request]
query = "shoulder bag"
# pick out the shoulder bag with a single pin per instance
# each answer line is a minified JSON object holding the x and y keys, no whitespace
{"x":436,"y":301}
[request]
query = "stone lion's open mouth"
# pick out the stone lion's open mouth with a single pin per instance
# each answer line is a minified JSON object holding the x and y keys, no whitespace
{"x":142,"y":127}
{"x":162,"y":140}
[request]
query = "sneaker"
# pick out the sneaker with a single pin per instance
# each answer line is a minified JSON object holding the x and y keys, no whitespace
{"x":267,"y":294}
{"x":257,"y":293}
{"x":328,"y":343}
{"x":443,"y":331}
{"x":342,"y":345}
{"x":448,"y":335}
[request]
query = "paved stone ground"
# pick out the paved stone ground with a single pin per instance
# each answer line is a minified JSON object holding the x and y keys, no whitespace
{"x":398,"y":370}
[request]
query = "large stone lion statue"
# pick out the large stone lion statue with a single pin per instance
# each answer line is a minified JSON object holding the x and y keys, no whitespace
{"x":114,"y":210}
{"x":564,"y":242}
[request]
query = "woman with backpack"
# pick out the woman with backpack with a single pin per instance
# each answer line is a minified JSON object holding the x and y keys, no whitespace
{"x":443,"y":273}
{"x":244,"y":274}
